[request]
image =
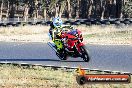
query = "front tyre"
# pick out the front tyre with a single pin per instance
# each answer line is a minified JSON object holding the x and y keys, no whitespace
{"x":84,"y":54}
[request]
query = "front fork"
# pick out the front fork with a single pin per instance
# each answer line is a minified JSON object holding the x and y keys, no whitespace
{"x":78,"y":47}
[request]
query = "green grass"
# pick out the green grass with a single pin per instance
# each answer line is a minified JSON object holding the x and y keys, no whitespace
{"x":40,"y":77}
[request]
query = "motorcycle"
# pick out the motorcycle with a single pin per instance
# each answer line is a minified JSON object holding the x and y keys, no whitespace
{"x":72,"y":45}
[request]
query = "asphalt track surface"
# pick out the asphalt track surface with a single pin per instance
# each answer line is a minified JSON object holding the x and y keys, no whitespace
{"x":103,"y":57}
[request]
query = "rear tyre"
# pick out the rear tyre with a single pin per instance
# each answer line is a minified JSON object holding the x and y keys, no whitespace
{"x":85,"y":54}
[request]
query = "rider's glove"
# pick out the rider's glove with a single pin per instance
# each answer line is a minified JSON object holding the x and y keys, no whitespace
{"x":59,"y":34}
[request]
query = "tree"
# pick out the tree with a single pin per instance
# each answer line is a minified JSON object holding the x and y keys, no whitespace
{"x":53,"y":8}
{"x":103,"y":3}
{"x":12,"y":8}
{"x":1,"y":8}
{"x":68,"y":9}
{"x":118,"y":8}
{"x":2,"y":4}
{"x":83,"y":7}
{"x":36,"y":6}
{"x":90,"y":6}
{"x":127,"y":10}
{"x":77,"y":9}
{"x":44,"y":9}
{"x":62,"y":7}
{"x":25,"y":14}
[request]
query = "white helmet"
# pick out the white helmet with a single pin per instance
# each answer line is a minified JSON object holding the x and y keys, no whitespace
{"x":57,"y":22}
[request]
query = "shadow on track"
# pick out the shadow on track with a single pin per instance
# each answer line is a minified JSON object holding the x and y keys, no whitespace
{"x":28,"y":60}
{"x":70,"y":61}
{"x":54,"y":60}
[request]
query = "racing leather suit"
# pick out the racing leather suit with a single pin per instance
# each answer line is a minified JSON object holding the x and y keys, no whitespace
{"x":55,"y":34}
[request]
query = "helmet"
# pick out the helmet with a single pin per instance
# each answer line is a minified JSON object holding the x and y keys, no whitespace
{"x":57,"y":22}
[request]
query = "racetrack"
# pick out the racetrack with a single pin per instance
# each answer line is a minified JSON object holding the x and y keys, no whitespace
{"x":103,"y":57}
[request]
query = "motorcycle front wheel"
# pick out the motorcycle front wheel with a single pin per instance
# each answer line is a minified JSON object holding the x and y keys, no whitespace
{"x":84,"y":54}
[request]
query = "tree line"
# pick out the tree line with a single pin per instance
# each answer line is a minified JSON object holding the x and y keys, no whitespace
{"x":97,"y":9}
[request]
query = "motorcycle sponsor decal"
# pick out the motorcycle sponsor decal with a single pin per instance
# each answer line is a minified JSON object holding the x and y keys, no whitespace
{"x":83,"y":78}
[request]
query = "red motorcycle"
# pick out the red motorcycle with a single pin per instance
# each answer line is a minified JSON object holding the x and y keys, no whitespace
{"x":72,"y":45}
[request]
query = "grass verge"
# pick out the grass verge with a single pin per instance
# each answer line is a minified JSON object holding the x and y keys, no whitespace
{"x":38,"y":77}
{"x":117,"y":37}
{"x":92,"y":34}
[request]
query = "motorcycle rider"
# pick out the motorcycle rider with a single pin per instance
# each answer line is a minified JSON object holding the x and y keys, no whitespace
{"x":56,"y":27}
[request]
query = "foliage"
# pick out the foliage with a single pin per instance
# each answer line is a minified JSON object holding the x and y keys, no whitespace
{"x":127,"y":9}
{"x":67,"y":8}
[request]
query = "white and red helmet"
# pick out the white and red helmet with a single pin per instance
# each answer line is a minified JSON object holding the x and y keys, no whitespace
{"x":57,"y":22}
